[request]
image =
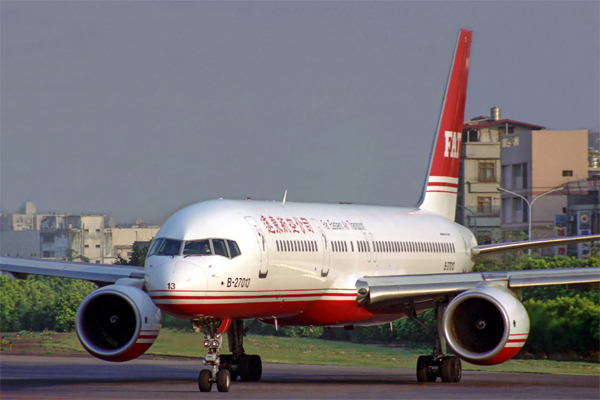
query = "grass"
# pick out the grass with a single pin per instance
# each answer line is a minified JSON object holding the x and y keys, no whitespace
{"x":315,"y":351}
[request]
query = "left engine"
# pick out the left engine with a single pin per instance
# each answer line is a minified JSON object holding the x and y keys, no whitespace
{"x":486,"y":325}
{"x":117,"y":323}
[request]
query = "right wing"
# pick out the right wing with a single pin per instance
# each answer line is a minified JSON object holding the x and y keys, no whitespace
{"x":383,"y":290}
{"x":486,"y":249}
{"x":100,"y":274}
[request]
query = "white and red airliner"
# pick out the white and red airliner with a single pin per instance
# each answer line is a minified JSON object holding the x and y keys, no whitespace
{"x":218,"y":263}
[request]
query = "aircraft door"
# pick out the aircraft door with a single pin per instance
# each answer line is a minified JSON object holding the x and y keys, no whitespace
{"x":373,"y":247}
{"x":368,"y":243}
{"x":325,"y":246}
{"x":262,"y":245}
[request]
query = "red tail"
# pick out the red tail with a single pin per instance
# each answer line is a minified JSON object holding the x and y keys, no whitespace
{"x":442,"y":181}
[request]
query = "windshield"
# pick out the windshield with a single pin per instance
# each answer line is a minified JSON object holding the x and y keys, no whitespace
{"x":207,"y":247}
{"x":197,"y":247}
{"x":165,"y":247}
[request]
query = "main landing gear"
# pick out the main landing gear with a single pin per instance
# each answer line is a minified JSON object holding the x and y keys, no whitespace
{"x":225,"y":368}
{"x":429,"y":368}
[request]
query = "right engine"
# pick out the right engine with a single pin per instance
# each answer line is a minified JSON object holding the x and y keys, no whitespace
{"x":486,"y":325}
{"x":117,"y":323}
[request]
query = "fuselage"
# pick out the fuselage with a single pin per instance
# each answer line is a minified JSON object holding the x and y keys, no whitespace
{"x":294,"y":262}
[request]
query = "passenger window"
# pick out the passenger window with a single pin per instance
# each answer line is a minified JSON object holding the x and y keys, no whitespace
{"x":197,"y":247}
{"x":234,"y":250}
{"x":169,"y":247}
{"x":220,"y":248}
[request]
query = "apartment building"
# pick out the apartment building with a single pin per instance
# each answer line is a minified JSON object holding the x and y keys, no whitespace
{"x":478,"y":203}
{"x":541,"y":166}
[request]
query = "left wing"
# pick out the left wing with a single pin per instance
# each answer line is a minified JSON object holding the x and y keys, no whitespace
{"x":384,"y":290}
{"x":100,"y":274}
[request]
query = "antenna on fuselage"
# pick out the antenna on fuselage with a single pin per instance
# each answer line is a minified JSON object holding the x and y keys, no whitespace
{"x":284,"y":197}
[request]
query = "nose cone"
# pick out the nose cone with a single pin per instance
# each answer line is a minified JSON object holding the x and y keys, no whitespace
{"x":176,"y":286}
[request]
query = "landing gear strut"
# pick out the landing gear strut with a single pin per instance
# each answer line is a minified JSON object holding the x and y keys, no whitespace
{"x":225,"y":368}
{"x":213,"y":339}
{"x":247,"y":367}
{"x":448,"y":368}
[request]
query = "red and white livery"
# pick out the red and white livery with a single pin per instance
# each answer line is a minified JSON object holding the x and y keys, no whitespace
{"x":218,"y":263}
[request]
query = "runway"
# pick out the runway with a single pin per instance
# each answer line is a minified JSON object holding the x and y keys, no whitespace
{"x":83,"y":377}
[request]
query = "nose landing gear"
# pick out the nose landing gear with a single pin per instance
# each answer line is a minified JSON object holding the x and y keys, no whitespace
{"x":225,"y":368}
{"x":213,"y":339}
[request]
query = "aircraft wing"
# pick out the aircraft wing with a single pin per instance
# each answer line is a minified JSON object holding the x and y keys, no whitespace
{"x":530,"y":244}
{"x":100,"y":274}
{"x":384,"y":290}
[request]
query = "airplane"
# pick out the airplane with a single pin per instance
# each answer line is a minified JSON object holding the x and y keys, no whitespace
{"x":218,"y":263}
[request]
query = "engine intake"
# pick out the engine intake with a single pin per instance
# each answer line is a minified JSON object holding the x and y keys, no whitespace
{"x":117,"y":323}
{"x":486,"y":326}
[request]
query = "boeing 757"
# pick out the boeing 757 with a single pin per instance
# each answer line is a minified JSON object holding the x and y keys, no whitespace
{"x":218,"y":263}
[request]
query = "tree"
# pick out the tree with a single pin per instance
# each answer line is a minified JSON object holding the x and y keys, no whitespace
{"x":138,"y":257}
{"x":66,"y":311}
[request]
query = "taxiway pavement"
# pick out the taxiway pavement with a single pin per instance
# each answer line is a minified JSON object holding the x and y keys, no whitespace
{"x":82,"y":377}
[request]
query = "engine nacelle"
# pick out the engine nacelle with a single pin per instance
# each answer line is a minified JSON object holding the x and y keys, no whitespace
{"x":486,"y":326}
{"x":117,"y":323}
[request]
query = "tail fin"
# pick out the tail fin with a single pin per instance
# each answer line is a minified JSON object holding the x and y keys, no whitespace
{"x":439,"y":193}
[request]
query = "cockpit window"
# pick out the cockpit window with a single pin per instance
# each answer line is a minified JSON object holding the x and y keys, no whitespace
{"x":220,"y":248}
{"x":234,"y":250}
{"x":197,"y":247}
{"x":154,"y":246}
{"x":168,"y":247}
{"x":206,"y":247}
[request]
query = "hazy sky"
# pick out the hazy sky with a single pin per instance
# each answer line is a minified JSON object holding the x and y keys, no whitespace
{"x":136,"y":109}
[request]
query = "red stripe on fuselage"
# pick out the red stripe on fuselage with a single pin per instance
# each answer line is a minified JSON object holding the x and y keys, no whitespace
{"x":316,"y":313}
{"x":269,"y":296}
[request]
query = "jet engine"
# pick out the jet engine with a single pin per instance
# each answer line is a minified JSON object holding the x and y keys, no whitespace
{"x":486,"y":326}
{"x":117,"y":323}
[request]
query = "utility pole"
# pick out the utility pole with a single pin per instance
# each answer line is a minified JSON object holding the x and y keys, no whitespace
{"x":530,"y":204}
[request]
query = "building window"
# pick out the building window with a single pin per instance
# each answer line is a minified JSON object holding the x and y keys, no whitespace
{"x":487,"y":171}
{"x":506,"y":177}
{"x":48,"y":238}
{"x":567,"y":173}
{"x":484,"y":205}
{"x":47,"y":254}
{"x":517,"y":176}
{"x":503,"y":131}
{"x":472,"y":136}
{"x":506,"y":211}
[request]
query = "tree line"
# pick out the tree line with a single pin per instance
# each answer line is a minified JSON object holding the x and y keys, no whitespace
{"x":563,"y":321}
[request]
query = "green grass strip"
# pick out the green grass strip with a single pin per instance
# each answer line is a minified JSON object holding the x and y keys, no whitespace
{"x":315,"y":351}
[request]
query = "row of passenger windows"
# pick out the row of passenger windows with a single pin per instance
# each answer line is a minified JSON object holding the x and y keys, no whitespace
{"x":415,"y":247}
{"x":203,"y":247}
{"x":391,"y":246}
{"x":339,"y":246}
{"x":406,"y":247}
{"x":363,"y":246}
{"x":297,"y":245}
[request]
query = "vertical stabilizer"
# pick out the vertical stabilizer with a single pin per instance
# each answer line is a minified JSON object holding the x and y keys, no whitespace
{"x":439,"y":193}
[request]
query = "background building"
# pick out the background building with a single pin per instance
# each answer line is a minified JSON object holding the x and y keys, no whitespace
{"x":69,"y":237}
{"x":26,"y":220}
{"x":478,"y":203}
{"x":534,"y":163}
